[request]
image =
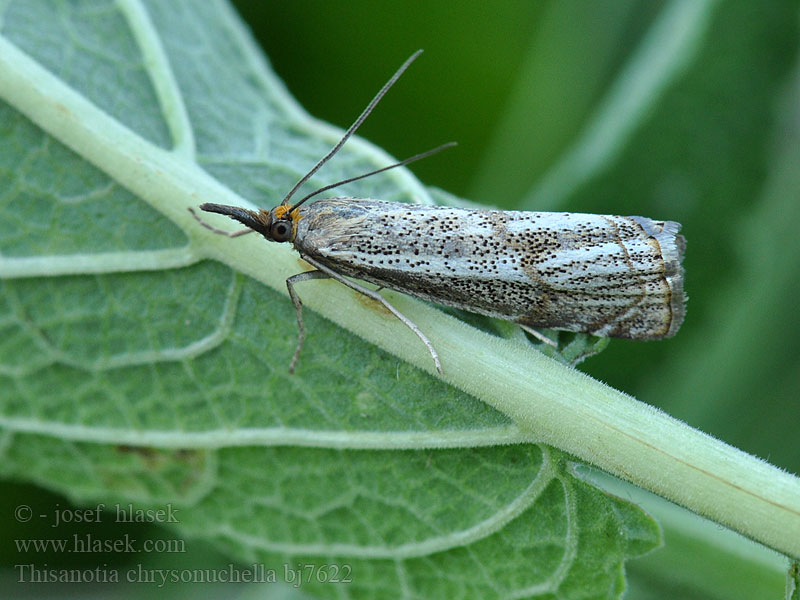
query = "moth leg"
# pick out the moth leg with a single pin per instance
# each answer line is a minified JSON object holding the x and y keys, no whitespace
{"x":539,"y":336}
{"x":230,"y":234}
{"x":298,"y":308}
{"x":378,"y":298}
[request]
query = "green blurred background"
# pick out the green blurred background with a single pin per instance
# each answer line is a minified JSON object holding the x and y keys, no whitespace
{"x":516,"y":83}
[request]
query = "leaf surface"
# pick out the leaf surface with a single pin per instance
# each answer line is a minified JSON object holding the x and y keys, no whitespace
{"x":135,"y":369}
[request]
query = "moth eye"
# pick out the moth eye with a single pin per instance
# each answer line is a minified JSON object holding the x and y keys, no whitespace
{"x":281,"y":231}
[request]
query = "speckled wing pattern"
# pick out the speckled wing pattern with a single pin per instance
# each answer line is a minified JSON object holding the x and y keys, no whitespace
{"x":606,"y":275}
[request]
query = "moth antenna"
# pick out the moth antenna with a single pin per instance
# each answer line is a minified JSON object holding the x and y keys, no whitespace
{"x":414,"y":158}
{"x":362,"y":117}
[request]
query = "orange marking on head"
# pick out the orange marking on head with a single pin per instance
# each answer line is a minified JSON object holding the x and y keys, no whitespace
{"x":280,"y":211}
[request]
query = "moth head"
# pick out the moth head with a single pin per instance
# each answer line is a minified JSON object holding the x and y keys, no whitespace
{"x":275,"y":225}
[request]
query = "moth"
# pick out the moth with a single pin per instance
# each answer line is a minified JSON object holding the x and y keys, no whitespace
{"x":606,"y":275}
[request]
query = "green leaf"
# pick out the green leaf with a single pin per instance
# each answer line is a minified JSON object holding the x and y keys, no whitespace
{"x":133,"y":370}
{"x":144,"y":360}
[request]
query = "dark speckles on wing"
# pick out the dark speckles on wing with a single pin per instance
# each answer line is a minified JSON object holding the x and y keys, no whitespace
{"x":577,"y":272}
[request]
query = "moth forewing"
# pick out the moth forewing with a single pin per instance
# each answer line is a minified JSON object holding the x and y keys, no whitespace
{"x":606,"y":275}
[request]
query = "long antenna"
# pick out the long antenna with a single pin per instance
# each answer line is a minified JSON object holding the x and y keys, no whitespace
{"x":352,"y":128}
{"x":414,"y":158}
